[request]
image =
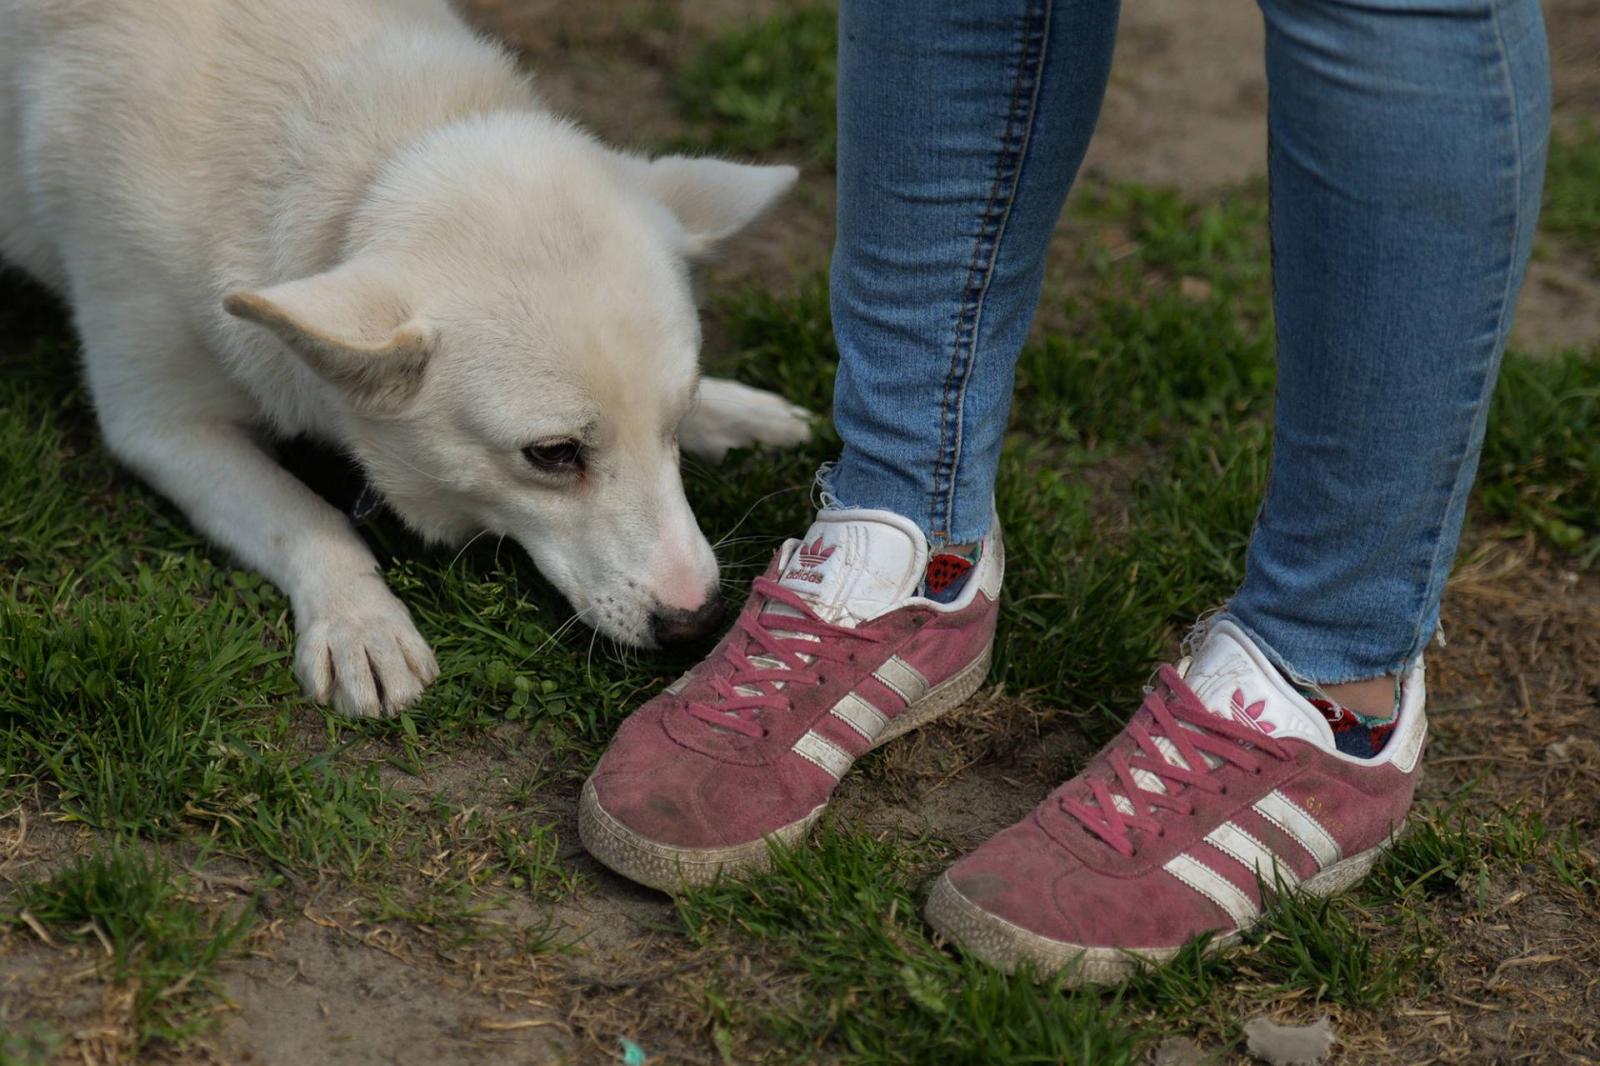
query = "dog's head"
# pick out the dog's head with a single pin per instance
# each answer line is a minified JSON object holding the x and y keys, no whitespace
{"x":512,"y":342}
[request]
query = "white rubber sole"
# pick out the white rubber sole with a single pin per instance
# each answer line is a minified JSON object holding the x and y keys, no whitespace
{"x":1007,"y":946}
{"x":669,"y":868}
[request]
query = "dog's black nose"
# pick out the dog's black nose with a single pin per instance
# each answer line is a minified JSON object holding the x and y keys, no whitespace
{"x":675,"y":628}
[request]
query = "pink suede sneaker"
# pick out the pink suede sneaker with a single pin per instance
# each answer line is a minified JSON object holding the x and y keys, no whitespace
{"x":1225,"y":781}
{"x":834,"y":654}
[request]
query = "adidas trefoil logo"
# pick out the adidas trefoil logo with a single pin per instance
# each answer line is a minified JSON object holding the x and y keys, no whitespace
{"x":814,"y":554}
{"x":811,"y":557}
{"x":1250,"y":715}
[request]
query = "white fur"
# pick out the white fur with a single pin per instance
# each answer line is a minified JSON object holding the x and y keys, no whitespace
{"x":353,"y":219}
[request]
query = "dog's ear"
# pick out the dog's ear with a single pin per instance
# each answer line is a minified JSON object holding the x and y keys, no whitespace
{"x":712,"y":199}
{"x":353,"y":326}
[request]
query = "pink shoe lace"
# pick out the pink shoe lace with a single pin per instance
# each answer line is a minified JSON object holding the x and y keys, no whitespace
{"x":781,"y":639}
{"x":1194,"y":732}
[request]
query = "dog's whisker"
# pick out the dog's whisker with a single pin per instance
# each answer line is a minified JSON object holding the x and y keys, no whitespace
{"x":751,"y":510}
{"x":562,"y":628}
{"x":588,"y":661}
{"x":616,"y":651}
{"x":749,"y":562}
{"x":557,"y":633}
{"x":463,"y":550}
{"x":753,"y":538}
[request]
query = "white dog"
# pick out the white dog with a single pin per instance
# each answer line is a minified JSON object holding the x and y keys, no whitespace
{"x":353,"y":219}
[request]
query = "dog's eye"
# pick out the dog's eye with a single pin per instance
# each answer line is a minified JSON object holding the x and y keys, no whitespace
{"x":559,"y":456}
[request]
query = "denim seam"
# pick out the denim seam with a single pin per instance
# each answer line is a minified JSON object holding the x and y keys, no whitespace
{"x":980,"y":272}
{"x":1433,"y":588}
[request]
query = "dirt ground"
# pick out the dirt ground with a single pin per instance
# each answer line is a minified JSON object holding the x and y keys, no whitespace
{"x":1185,"y":108}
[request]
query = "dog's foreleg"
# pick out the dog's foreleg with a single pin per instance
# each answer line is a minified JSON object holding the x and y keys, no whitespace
{"x":731,"y":415}
{"x":356,"y":644}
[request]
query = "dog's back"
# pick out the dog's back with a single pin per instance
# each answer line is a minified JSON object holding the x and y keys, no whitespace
{"x":182,"y":135}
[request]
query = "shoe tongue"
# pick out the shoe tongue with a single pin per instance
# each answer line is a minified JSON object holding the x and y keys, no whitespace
{"x":1234,"y":680}
{"x":853,"y":565}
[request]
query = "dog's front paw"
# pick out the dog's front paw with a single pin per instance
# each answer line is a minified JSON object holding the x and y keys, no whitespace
{"x":364,"y":655}
{"x":731,"y":415}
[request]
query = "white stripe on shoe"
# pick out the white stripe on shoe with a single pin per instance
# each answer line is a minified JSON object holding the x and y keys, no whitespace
{"x":824,"y":753}
{"x":1253,"y":855}
{"x":1218,"y":889}
{"x":861,"y":716}
{"x":903,"y":679}
{"x":1293,"y":819}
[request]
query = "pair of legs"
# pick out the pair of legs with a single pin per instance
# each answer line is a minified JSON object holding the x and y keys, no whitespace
{"x":1406,"y":155}
{"x":1407,"y":148}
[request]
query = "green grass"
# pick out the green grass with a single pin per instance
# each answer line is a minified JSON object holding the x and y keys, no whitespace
{"x":1167,"y":392}
{"x":530,"y":856}
{"x":158,"y":712}
{"x":1173,"y":335}
{"x":1541,"y":455}
{"x":34,"y":1044}
{"x":765,"y":87}
{"x":1314,"y":946}
{"x":464,"y":865}
{"x":169,"y":669}
{"x":1572,"y":189}
{"x":1451,"y":853}
{"x":837,"y":919}
{"x":164,"y":947}
{"x":1304,"y":949}
{"x":840,"y":914}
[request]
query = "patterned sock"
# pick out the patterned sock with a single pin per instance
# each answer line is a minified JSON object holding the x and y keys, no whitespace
{"x":948,"y":571}
{"x":1355,"y":734}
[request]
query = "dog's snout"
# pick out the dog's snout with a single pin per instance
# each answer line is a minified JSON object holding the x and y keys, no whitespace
{"x":674,"y":627}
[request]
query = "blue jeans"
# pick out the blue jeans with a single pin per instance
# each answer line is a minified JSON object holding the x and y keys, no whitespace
{"x":1407,"y":146}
